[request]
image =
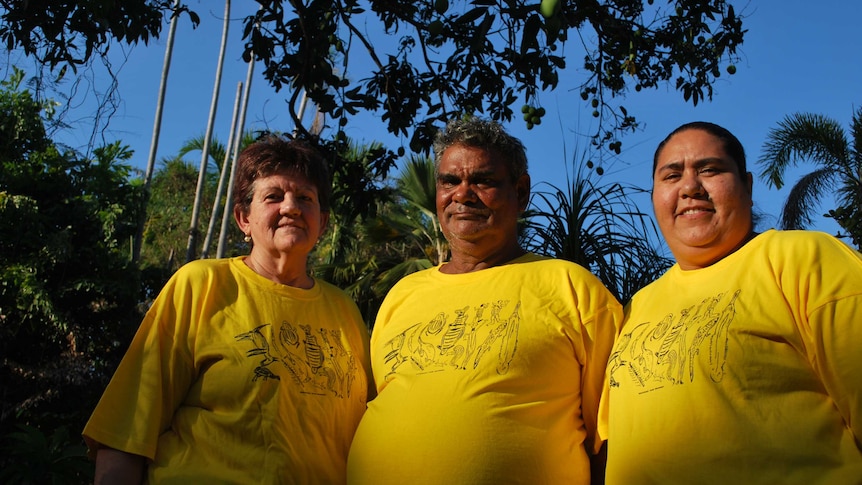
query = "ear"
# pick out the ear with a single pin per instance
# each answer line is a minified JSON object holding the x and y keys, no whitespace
{"x":522,"y":187}
{"x":750,"y":185}
{"x":324,"y":223}
{"x":241,"y":219}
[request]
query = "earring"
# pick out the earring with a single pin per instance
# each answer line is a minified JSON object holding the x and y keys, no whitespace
{"x":247,"y":238}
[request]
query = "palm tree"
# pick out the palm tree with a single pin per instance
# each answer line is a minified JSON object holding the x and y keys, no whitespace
{"x":599,"y":227}
{"x":346,"y":255}
{"x":216,"y":150}
{"x":805,"y":137}
{"x":367,"y":252}
{"x":410,"y":224}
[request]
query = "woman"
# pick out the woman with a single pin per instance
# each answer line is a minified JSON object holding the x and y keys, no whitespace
{"x":244,"y":370}
{"x":741,"y":363}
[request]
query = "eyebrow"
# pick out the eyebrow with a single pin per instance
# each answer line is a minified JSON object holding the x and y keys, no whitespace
{"x":481,"y":174}
{"x":678,"y":165}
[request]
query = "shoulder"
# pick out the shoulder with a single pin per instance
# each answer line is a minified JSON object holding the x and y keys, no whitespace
{"x":332,"y":292}
{"x":420,"y":277}
{"x":202,"y":270}
{"x":801,"y":243}
{"x":545,"y":267}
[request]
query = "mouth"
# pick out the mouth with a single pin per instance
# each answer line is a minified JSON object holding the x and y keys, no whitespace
{"x":695,"y":211}
{"x":290,"y":226}
{"x":468,"y":215}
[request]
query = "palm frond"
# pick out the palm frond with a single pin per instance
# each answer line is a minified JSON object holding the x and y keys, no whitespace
{"x":598,"y":227}
{"x":804,"y":198}
{"x":417,"y":182}
{"x":803,"y":137}
{"x":215,"y":153}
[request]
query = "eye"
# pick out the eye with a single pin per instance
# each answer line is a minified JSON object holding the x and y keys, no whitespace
{"x":486,"y":182}
{"x":447,"y":181}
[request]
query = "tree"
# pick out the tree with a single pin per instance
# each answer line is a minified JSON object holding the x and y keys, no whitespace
{"x":67,"y":34}
{"x":345,"y":255}
{"x":408,"y":227}
{"x":68,"y":292}
{"x":481,"y":56}
{"x":172,"y":195}
{"x":819,"y":140}
{"x":487,"y":55}
{"x":599,"y":227}
{"x":166,"y":231}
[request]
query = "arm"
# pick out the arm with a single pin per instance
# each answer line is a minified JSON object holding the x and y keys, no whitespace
{"x":597,"y":465}
{"x":118,"y":467}
{"x":834,"y":299}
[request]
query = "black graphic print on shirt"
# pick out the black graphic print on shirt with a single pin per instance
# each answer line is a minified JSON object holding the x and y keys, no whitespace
{"x":314,"y":359}
{"x":654,"y":355}
{"x":458,"y":340}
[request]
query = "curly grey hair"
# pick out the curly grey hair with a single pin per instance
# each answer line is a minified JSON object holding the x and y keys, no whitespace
{"x":486,"y":134}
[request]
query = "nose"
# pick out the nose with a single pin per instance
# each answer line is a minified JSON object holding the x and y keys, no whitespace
{"x":290,"y":205}
{"x":463,"y":193}
{"x":692,"y":186}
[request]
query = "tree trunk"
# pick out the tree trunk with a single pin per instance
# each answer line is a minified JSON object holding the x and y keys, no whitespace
{"x":196,"y":211}
{"x":154,"y":145}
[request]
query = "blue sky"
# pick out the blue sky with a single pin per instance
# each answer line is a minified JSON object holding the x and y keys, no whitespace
{"x":797,"y":57}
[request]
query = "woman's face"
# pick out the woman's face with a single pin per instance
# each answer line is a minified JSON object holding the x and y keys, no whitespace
{"x":702,"y":203}
{"x":284,"y":216}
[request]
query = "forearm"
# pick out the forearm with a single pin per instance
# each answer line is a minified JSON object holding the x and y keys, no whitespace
{"x":597,"y":466}
{"x":118,"y":467}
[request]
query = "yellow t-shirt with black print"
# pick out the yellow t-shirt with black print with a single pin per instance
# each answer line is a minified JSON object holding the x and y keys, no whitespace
{"x":487,"y":377}
{"x":748,"y":371}
{"x":233,"y":378}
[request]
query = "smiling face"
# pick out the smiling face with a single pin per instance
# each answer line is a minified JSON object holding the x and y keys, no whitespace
{"x":284,"y":216}
{"x":701,"y":201}
{"x":478,"y":203}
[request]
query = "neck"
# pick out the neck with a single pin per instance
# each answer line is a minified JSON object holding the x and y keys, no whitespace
{"x":469,"y":259}
{"x":692,"y":262}
{"x":283,"y":270}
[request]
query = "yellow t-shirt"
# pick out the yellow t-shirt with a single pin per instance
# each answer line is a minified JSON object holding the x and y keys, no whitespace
{"x":487,"y":377}
{"x":745,"y":372}
{"x":233,"y":378}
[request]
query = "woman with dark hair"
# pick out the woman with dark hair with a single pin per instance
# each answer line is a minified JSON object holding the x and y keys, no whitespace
{"x":741,"y":363}
{"x":248,"y":369}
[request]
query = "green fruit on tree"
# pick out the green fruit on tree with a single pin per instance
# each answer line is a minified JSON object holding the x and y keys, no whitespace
{"x":549,"y":8}
{"x":731,"y":69}
{"x":595,"y":103}
{"x":525,"y":109}
{"x":435,"y":27}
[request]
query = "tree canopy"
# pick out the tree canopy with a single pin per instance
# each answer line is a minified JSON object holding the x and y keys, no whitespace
{"x":61,"y":33}
{"x":69,"y":295}
{"x":420,"y":64}
{"x":485,"y":56}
